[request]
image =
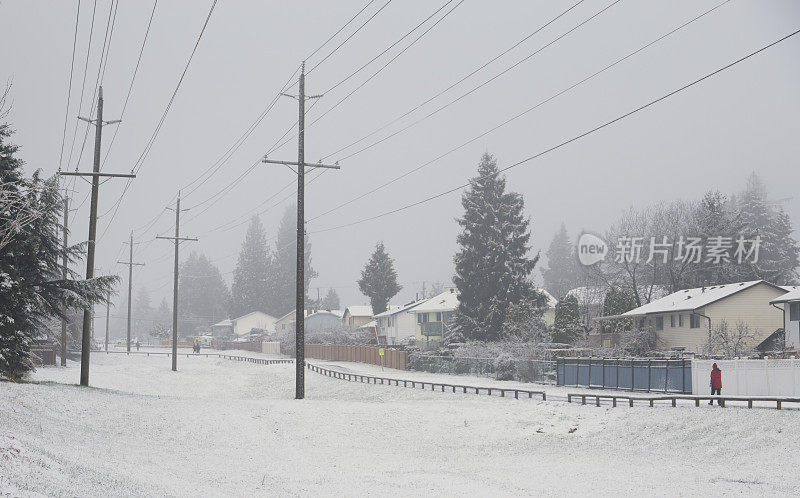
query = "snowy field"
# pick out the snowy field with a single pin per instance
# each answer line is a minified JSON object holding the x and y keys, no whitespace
{"x":218,"y":427}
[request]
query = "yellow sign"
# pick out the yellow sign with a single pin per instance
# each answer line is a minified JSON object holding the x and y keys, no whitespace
{"x":381,"y":351}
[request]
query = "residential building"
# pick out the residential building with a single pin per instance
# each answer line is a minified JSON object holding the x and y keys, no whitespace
{"x":285,"y":323}
{"x":315,"y":321}
{"x":356,"y":316}
{"x":789,"y":304}
{"x":549,"y":315}
{"x":257,"y":321}
{"x":397,"y":323}
{"x":685,"y":318}
{"x":432,"y":317}
{"x":222,"y":329}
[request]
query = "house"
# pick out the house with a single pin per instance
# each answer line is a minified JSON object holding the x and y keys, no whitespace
{"x":356,"y":316}
{"x":397,"y":323}
{"x":256,"y":321}
{"x":315,"y":321}
{"x":370,"y":328}
{"x":549,"y":315}
{"x":684,"y":319}
{"x":432,"y":316}
{"x":789,"y":304}
{"x":222,"y":329}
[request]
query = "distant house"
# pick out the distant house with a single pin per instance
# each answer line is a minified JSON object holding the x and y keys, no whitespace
{"x":222,"y":329}
{"x":683,"y":319}
{"x":257,"y":321}
{"x":356,"y":316}
{"x":432,"y":316}
{"x":549,"y":315}
{"x":369,"y":328}
{"x":789,"y":304}
{"x":397,"y":323}
{"x":315,"y":321}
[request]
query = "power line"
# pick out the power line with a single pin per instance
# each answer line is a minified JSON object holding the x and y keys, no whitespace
{"x":133,"y":79}
{"x":569,"y":141}
{"x":312,"y":54}
{"x":520,"y":114}
{"x":69,"y":86}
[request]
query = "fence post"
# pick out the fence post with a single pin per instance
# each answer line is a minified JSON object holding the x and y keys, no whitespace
{"x":632,"y":375}
{"x":603,"y":366}
{"x":683,"y":376}
{"x":649,"y":374}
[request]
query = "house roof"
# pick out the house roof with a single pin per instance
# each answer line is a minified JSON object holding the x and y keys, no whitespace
{"x":551,"y":301}
{"x":336,"y":313}
{"x":223,"y":323}
{"x":446,"y":301}
{"x":361,"y":310}
{"x":369,"y":325}
{"x":792,"y":295}
{"x":394,"y":309}
{"x":267,"y":315}
{"x":692,"y":299}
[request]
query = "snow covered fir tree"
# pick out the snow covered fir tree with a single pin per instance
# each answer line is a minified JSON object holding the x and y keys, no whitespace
{"x":33,"y":288}
{"x":253,"y":278}
{"x":492,"y":266}
{"x":379,"y":279}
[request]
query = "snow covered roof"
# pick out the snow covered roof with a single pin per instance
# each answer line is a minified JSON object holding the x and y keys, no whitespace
{"x":336,"y":313}
{"x":446,"y":301}
{"x":223,"y":323}
{"x":792,"y":295}
{"x":361,"y":310}
{"x":369,"y":325}
{"x":692,"y":299}
{"x":551,"y":301}
{"x":395,"y":309}
{"x":266,"y":315}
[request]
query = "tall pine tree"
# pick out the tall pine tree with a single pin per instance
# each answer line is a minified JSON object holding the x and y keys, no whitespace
{"x":379,"y":280}
{"x":251,"y":290}
{"x":331,"y":300}
{"x":492,"y":265}
{"x":286,"y":264}
{"x":561,"y":273}
{"x":204,"y":297}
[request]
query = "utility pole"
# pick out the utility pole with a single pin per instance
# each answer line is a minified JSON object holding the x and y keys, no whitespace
{"x":300,"y":289}
{"x":64,"y":263}
{"x":177,"y":238}
{"x":130,"y":264}
{"x":90,"y":250}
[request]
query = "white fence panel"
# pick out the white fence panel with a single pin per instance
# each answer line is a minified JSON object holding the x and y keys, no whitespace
{"x":749,"y":377}
{"x":270,"y":347}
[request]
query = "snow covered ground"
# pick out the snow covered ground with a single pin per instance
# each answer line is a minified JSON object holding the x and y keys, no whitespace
{"x":218,"y":427}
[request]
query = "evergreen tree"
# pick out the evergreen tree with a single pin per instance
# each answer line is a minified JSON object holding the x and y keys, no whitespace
{"x":617,"y":302}
{"x":331,"y":300}
{"x":286,"y":264}
{"x":567,"y":323}
{"x":379,"y":280}
{"x":32,"y":288}
{"x":779,"y":254}
{"x":251,"y":290}
{"x":204,"y":297}
{"x":142,"y":313}
{"x":492,"y":265}
{"x":561,"y":273}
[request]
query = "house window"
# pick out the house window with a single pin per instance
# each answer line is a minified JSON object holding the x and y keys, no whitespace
{"x":438,"y":317}
{"x":641,"y":323}
{"x":422,"y":318}
{"x":680,"y":320}
{"x":794,"y":311}
{"x":694,"y":321}
{"x":659,"y":323}
{"x":672,"y":321}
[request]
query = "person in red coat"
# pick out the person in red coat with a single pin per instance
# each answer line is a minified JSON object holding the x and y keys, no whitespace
{"x":716,"y":383}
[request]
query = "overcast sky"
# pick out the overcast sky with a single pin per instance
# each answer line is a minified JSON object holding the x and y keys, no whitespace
{"x":711,"y":136}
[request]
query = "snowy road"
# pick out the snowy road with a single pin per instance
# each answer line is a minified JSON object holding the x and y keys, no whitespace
{"x":219,"y":427}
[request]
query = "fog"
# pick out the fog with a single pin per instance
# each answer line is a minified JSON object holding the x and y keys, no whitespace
{"x":711,"y":136}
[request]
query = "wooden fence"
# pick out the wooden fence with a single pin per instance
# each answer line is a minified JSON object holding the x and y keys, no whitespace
{"x":393,"y":358}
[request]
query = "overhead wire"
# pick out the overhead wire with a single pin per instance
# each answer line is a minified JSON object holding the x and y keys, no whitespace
{"x":570,"y":140}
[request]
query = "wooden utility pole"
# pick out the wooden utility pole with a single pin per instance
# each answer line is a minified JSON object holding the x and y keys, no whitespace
{"x":130,"y":264}
{"x":64,"y":275}
{"x":300,"y":289}
{"x":98,"y":123}
{"x":108,"y":309}
{"x":177,"y":239}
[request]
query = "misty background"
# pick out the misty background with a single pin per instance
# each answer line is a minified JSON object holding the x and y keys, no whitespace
{"x":711,"y":136}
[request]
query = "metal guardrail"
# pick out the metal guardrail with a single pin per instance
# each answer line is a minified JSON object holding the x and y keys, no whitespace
{"x":779,"y":400}
{"x":247,"y":359}
{"x":371,"y":379}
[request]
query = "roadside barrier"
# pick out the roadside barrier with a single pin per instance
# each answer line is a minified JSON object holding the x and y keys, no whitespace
{"x":247,"y":359}
{"x":417,"y":384}
{"x":779,"y":400}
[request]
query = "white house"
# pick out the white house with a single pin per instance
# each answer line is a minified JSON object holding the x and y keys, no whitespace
{"x":549,"y":315}
{"x":397,"y":323}
{"x":432,"y":316}
{"x":789,"y":304}
{"x":256,"y":321}
{"x":356,"y":316}
{"x":683,"y":319}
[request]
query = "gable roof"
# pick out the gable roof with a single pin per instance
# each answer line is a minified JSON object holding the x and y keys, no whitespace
{"x":446,"y":301}
{"x":792,"y":295}
{"x":360,"y":310}
{"x":393,"y":310}
{"x":692,"y":299}
{"x":551,"y":301}
{"x":267,"y":315}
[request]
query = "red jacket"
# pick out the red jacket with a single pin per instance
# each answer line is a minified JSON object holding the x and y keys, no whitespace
{"x":716,"y":377}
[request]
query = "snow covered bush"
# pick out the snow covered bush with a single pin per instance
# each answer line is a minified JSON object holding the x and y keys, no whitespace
{"x":505,"y":368}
